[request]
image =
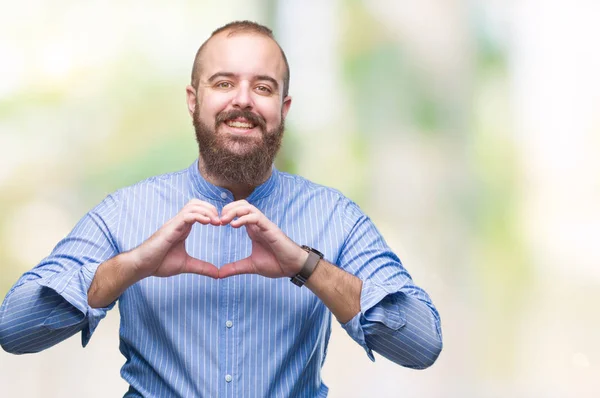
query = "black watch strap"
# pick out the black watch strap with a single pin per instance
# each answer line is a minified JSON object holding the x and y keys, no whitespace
{"x":314,"y":256}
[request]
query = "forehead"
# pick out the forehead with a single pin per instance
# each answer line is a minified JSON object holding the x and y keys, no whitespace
{"x":244,"y":54}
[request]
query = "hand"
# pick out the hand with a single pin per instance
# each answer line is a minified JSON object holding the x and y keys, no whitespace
{"x":164,"y":254}
{"x":274,"y":255}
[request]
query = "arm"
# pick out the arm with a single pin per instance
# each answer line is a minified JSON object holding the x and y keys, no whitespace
{"x":78,"y":283}
{"x":397,"y":319}
{"x":369,"y":291}
{"x":48,"y":303}
{"x":112,"y":278}
{"x":384,"y":327}
{"x":163,"y":255}
{"x":337,"y":289}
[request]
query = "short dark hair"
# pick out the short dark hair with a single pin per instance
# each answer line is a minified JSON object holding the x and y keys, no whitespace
{"x":242,"y":27}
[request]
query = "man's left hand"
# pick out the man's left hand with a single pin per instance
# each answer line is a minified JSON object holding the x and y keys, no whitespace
{"x":274,"y":255}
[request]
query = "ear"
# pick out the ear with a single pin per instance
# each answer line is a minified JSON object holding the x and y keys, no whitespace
{"x":191,"y":99}
{"x":287,"y":102}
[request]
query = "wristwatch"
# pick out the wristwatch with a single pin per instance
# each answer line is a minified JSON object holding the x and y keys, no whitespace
{"x":314,"y":256}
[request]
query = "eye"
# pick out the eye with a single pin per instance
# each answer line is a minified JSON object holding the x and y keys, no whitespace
{"x":224,"y":85}
{"x":264,"y":89}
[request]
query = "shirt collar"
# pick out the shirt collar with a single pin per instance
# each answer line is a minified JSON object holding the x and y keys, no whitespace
{"x":215,"y":192}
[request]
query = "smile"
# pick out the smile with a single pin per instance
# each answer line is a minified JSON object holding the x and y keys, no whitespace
{"x":240,"y":124}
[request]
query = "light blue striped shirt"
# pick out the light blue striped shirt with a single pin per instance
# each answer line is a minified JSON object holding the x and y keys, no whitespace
{"x":243,"y":336}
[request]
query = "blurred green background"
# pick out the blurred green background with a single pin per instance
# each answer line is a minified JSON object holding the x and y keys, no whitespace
{"x":467,"y":130}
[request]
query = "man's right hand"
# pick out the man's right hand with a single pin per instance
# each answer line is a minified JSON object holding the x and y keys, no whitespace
{"x":164,"y":254}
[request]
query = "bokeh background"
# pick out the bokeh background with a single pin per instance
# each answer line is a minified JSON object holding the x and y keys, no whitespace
{"x":469,"y":130}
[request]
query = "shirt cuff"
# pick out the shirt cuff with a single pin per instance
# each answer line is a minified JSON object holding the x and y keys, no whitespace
{"x":72,"y":286}
{"x":377,"y":306}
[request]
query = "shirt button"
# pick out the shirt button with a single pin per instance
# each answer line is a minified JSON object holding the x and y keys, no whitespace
{"x":223,"y":195}
{"x":229,"y":324}
{"x":228,"y":378}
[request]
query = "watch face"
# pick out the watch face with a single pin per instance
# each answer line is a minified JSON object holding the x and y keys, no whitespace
{"x":318,"y":253}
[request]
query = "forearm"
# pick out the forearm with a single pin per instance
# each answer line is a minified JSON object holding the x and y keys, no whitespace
{"x":112,"y":278}
{"x":337,"y":289}
{"x":404,"y":329}
{"x":33,"y":318}
{"x":403,"y":326}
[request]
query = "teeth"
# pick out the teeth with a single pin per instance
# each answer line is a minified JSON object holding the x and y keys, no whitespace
{"x":240,"y":125}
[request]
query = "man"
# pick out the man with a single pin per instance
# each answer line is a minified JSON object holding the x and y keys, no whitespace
{"x":201,"y":260}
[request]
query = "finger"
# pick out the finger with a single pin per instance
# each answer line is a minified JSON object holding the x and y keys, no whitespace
{"x":252,"y":218}
{"x":258,"y":219}
{"x":184,"y":221}
{"x":207,"y":210}
{"x":195,"y":266}
{"x":232,"y":207}
{"x":237,"y":203}
{"x":191,"y":218}
{"x":180,"y":226}
{"x":243,"y":266}
{"x":202,"y":203}
{"x":196,"y":208}
{"x":199,"y":204}
{"x":236,"y":212}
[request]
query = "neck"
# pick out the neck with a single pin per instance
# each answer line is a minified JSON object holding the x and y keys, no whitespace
{"x":239,"y":190}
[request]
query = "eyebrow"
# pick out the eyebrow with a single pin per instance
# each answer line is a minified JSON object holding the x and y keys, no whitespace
{"x":269,"y":79}
{"x":220,"y":74}
{"x":232,"y":75}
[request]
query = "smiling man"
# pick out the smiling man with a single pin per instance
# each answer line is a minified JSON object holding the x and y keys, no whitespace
{"x":238,"y":100}
{"x":208,"y":264}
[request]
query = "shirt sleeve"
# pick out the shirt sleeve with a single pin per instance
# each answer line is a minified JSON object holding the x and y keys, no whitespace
{"x":49,"y":303}
{"x":397,"y":319}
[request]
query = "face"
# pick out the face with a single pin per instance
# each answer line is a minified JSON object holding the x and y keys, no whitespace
{"x":238,"y":109}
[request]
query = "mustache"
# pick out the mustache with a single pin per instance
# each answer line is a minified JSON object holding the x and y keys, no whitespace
{"x":238,"y":113}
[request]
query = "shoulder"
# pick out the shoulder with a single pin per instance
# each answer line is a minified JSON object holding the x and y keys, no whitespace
{"x":297,"y":182}
{"x":307,"y":190}
{"x":152,"y":188}
{"x":171,"y":180}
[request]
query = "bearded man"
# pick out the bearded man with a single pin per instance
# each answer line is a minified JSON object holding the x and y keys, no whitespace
{"x":201,"y":260}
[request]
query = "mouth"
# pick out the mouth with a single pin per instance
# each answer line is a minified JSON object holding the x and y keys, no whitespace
{"x":240,"y":125}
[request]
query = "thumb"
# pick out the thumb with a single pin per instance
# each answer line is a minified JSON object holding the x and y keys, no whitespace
{"x":243,"y":266}
{"x":195,"y":266}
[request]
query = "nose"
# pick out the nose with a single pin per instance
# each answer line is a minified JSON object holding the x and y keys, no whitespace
{"x":242,"y":98}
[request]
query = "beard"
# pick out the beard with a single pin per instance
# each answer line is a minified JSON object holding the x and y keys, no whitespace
{"x":237,"y":159}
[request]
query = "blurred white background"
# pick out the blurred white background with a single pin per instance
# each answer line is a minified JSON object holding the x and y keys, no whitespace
{"x":467,"y":129}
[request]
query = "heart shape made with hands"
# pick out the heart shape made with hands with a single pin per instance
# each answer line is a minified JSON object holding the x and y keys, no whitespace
{"x":273,"y":255}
